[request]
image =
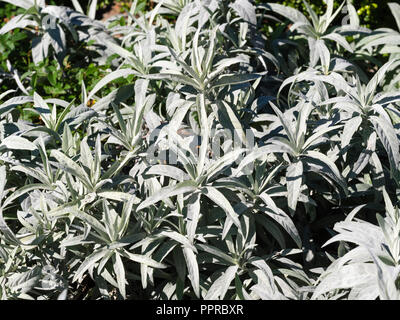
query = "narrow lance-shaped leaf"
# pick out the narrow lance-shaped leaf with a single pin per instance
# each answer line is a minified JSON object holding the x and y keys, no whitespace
{"x":329,"y":165}
{"x":221,"y":285}
{"x":395,"y":8}
{"x":193,"y":269}
{"x":17,"y":143}
{"x":389,"y":139}
{"x":193,"y":215}
{"x":120,"y":273}
{"x":218,"y":198}
{"x":71,"y":167}
{"x":167,"y":192}
{"x":204,"y":133}
{"x":143,"y":259}
{"x":280,"y":217}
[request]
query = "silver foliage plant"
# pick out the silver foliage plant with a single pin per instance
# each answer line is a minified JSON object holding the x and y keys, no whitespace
{"x":214,"y":173}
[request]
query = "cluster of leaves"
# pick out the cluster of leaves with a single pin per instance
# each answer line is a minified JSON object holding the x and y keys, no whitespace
{"x":44,"y":76}
{"x":127,"y":192}
{"x":372,"y":14}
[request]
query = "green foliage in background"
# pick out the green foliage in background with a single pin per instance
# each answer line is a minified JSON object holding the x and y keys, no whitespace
{"x":372,"y":14}
{"x":119,"y":179}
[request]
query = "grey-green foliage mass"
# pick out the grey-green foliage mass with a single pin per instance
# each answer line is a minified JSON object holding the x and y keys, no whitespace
{"x":124,"y":196}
